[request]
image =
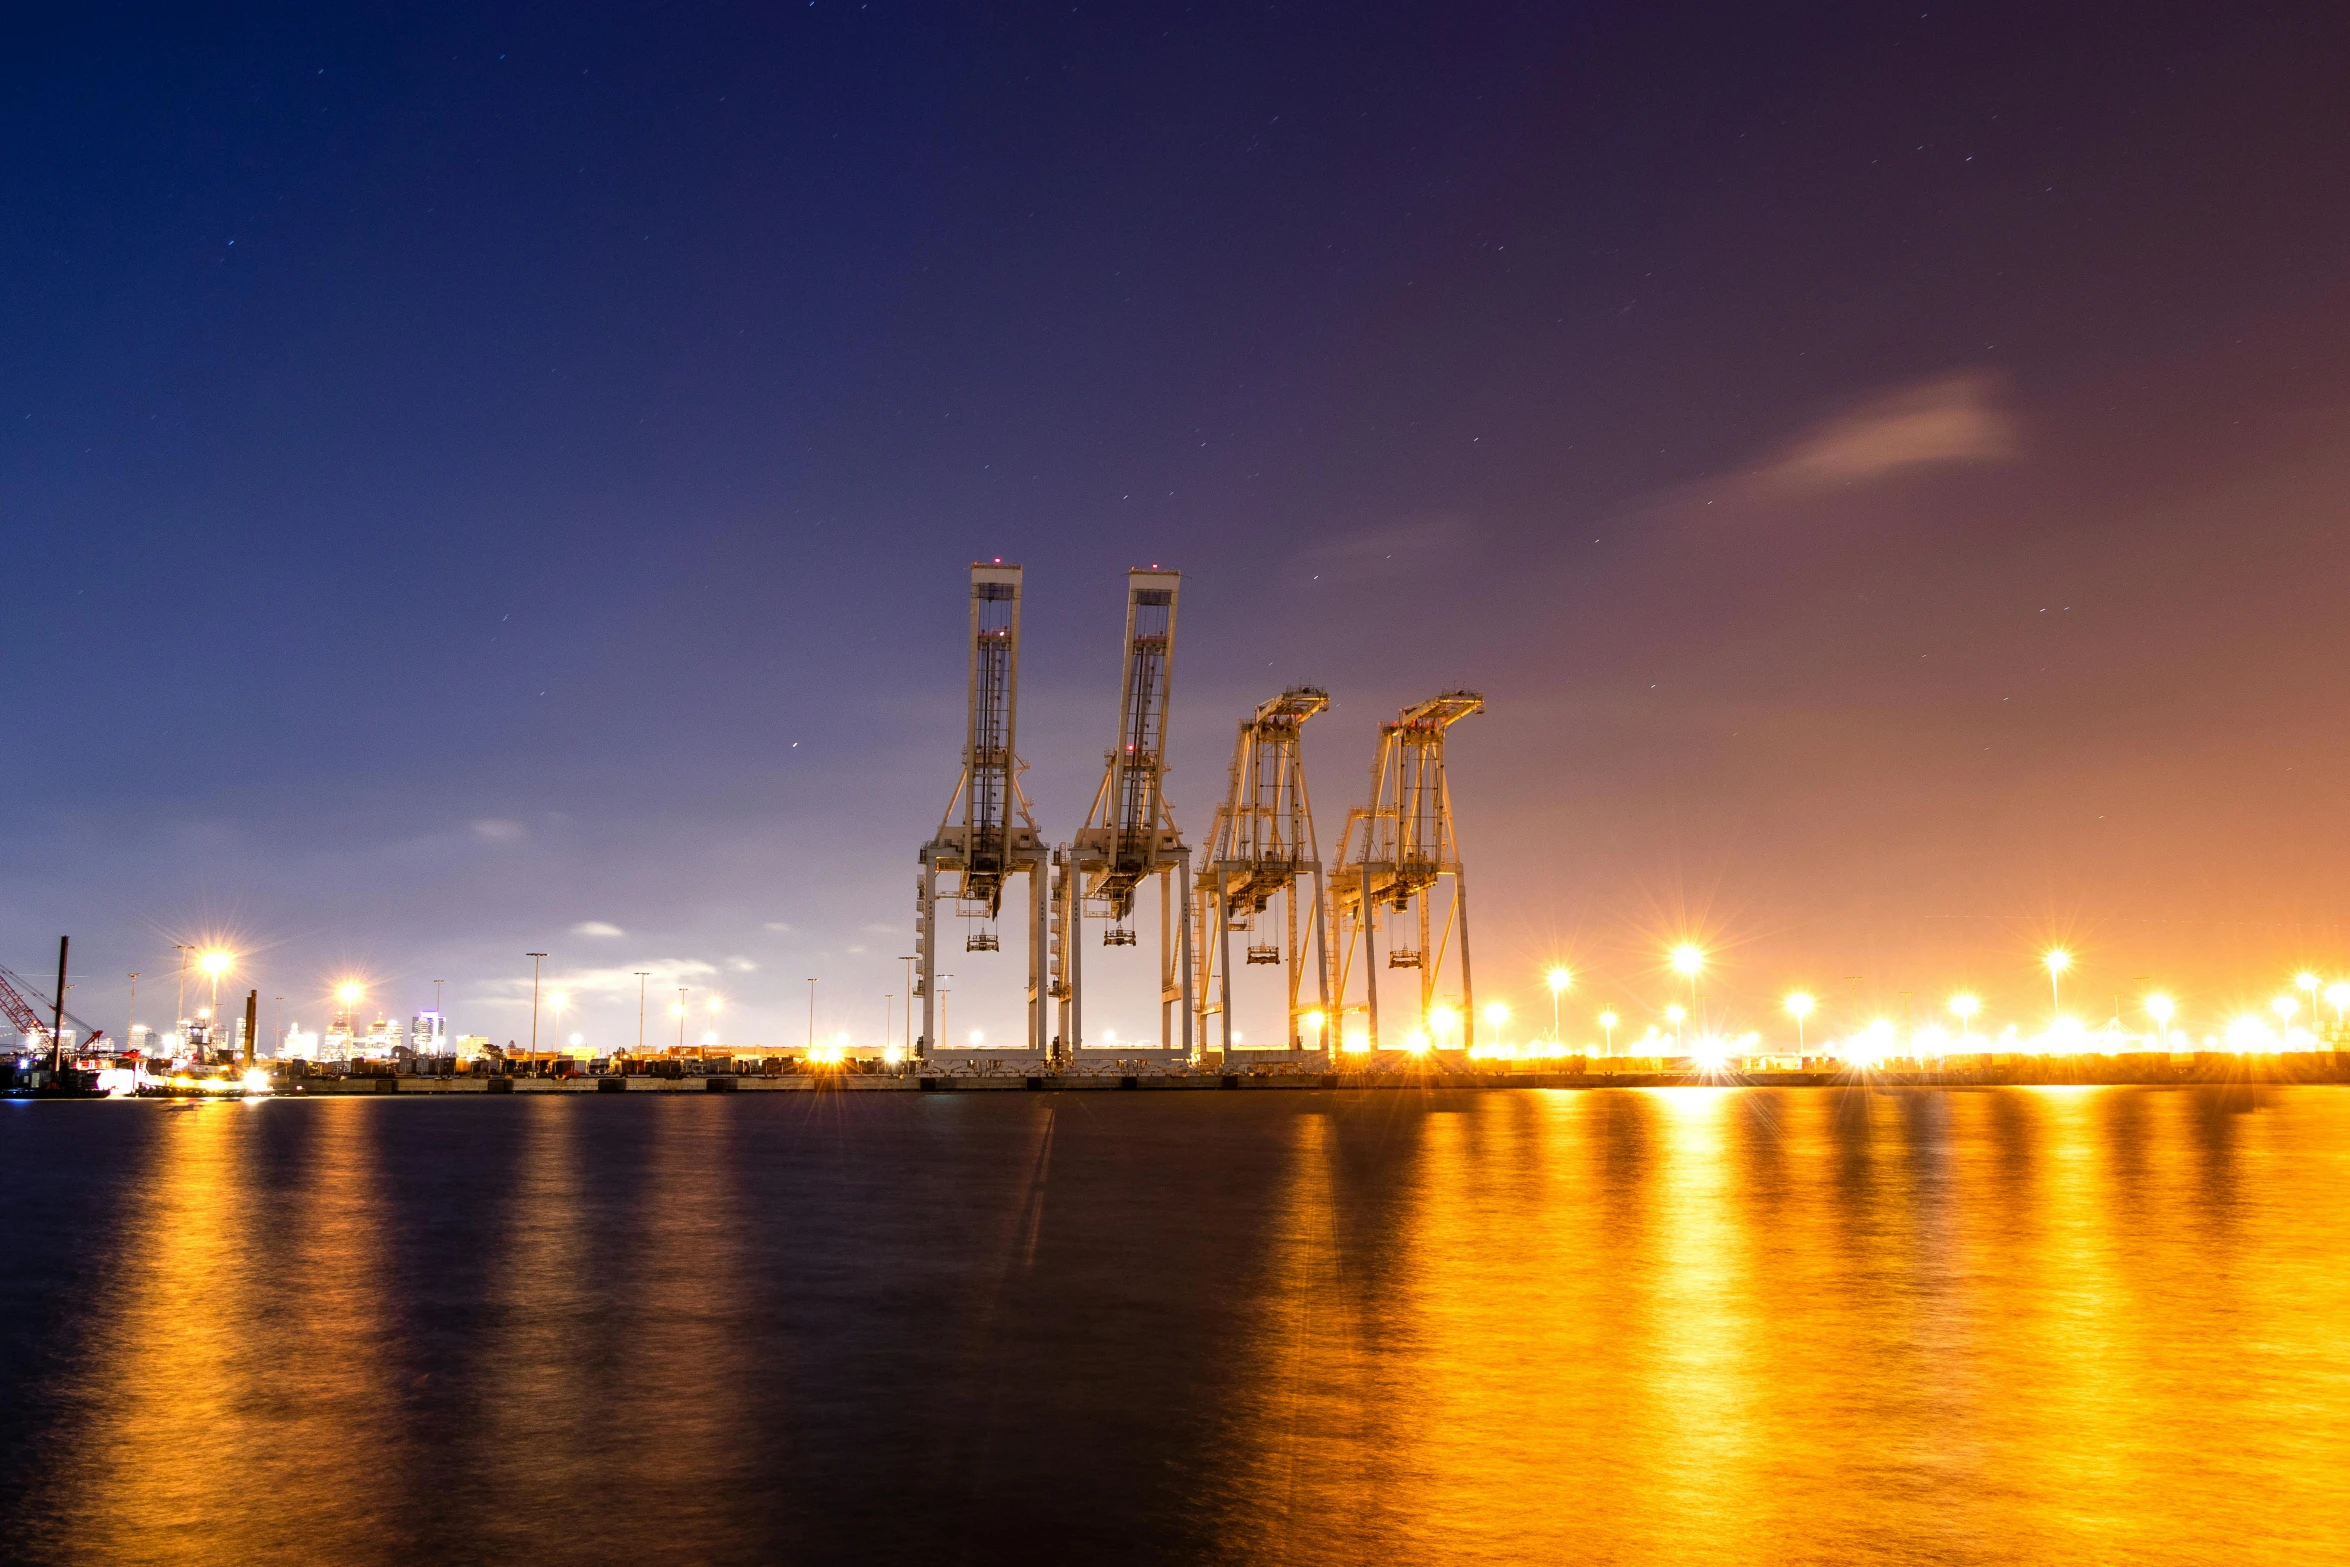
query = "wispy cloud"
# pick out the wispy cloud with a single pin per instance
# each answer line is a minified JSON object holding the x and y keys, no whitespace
{"x":1950,"y":419}
{"x":779,"y":927}
{"x":498,"y":830}
{"x":741,"y":965}
{"x":597,"y":928}
{"x":611,"y":984}
{"x":1393,"y":553}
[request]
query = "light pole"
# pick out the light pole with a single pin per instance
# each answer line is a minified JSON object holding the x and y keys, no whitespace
{"x":1675,"y":1014}
{"x":215,"y":963}
{"x":2306,"y":983}
{"x":535,"y":958}
{"x":2284,"y":1007}
{"x":889,"y":1016}
{"x":1560,"y":981}
{"x":2057,"y":960}
{"x":2160,"y":1008}
{"x":2338,"y":997}
{"x":1497,"y":1015}
{"x":681,"y":1022}
{"x":1689,"y":959}
{"x":130,"y":1034}
{"x":943,"y":993}
{"x":1799,"y":1005}
{"x":909,"y":962}
{"x":811,"y":1014}
{"x":1607,"y":1026}
{"x":181,"y":1015}
{"x":641,"y":976}
{"x":1966,"y":1007}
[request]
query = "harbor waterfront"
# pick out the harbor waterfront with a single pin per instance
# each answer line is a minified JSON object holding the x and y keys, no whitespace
{"x":1697,"y":1325}
{"x":784,"y":1074}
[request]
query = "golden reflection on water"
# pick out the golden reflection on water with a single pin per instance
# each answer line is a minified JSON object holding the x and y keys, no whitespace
{"x":1720,"y":1325}
{"x":240,"y":1366}
{"x":1689,"y":1325}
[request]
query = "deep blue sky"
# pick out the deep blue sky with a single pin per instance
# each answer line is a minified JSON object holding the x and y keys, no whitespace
{"x":468,"y":473}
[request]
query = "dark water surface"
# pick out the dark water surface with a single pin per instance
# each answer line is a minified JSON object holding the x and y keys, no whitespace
{"x":1678,"y":1325}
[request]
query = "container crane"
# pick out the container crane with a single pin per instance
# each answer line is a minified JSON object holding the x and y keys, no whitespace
{"x":1130,"y":836}
{"x":1393,"y":854}
{"x":988,"y":835}
{"x":1262,"y":847}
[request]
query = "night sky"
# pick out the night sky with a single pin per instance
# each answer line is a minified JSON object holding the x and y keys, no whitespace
{"x":476,"y":477}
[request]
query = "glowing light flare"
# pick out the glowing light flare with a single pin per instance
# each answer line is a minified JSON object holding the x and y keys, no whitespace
{"x":1497,"y":1014}
{"x":2284,"y":1007}
{"x":1416,"y":1042}
{"x":256,"y":1081}
{"x":1800,"y":1004}
{"x":2248,"y":1035}
{"x":1443,"y":1021}
{"x":216,"y":962}
{"x":2161,"y":1008}
{"x":1965,"y":1006}
{"x":1689,"y":958}
{"x":2056,"y":960}
{"x":1559,"y":981}
{"x":1675,"y":1014}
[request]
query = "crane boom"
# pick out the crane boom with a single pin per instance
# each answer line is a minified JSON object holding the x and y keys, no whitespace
{"x":1130,"y":832}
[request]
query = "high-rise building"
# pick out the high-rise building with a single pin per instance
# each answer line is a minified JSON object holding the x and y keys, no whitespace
{"x":297,"y":1046}
{"x":428,"y":1034}
{"x":383,"y":1039}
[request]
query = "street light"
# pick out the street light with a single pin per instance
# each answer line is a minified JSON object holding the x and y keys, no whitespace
{"x":1799,"y":1007}
{"x":2057,"y":960}
{"x":2284,"y":1007}
{"x":1607,"y":1024}
{"x":1560,"y":982}
{"x":2307,"y":983}
{"x":2338,"y":997}
{"x":1966,"y":1007}
{"x":2160,"y":1008}
{"x":1689,"y":959}
{"x":215,"y":963}
{"x":1674,"y":1014}
{"x":1496,"y":1014}
{"x":535,"y":958}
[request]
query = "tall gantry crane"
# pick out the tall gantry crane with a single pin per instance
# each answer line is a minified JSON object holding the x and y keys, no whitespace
{"x":988,"y":835}
{"x":1392,"y":855}
{"x":1261,"y":847}
{"x":1130,"y":835}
